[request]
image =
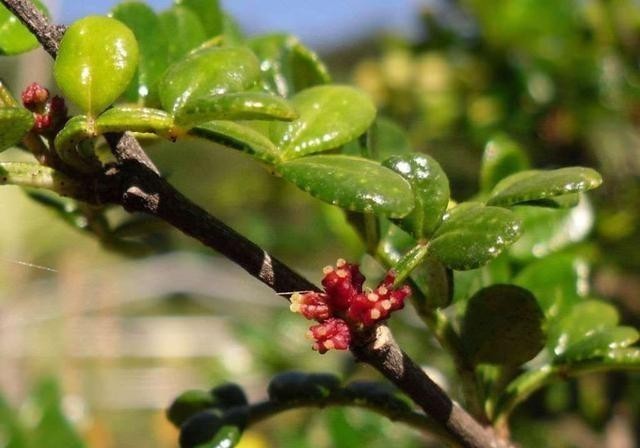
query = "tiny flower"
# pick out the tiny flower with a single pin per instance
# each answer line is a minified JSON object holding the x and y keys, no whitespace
{"x":34,"y":97}
{"x":312,"y":305}
{"x":333,"y":333}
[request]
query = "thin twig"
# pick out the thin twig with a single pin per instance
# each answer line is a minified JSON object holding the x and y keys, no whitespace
{"x":136,"y":185}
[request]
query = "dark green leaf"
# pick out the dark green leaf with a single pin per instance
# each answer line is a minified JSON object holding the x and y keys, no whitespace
{"x":288,"y":66}
{"x":96,"y":61}
{"x":15,"y":38}
{"x":235,"y":106}
{"x":299,"y":386}
{"x":471,"y":235}
{"x":409,"y":262}
{"x":229,"y":395}
{"x":377,"y":394}
{"x":187,"y":404}
{"x":183,"y":30}
{"x":209,"y":13}
{"x":152,"y":42}
{"x":501,"y":158}
{"x":549,"y":230}
{"x":351,"y":183}
{"x":239,"y":137}
{"x":533,"y":185}
{"x":502,"y":325}
{"x":431,"y":191}
{"x":329,"y":116}
{"x":212,"y":71}
{"x":15,"y":122}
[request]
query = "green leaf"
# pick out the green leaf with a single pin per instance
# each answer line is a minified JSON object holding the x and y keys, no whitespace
{"x":287,"y":65}
{"x":183,"y":30}
{"x":235,"y":106}
{"x":469,"y":282}
{"x":431,"y":191}
{"x":68,"y":141}
{"x":152,"y":43}
{"x":412,"y":259}
{"x":589,"y":330}
{"x":136,"y":119}
{"x":598,"y":343}
{"x":209,"y":13}
{"x":558,"y":281}
{"x":227,"y":437}
{"x":15,"y":38}
{"x":212,"y":71}
{"x":38,"y":176}
{"x":549,"y":230}
{"x":502,"y":325}
{"x":329,"y":116}
{"x":501,"y":158}
{"x":209,"y":430}
{"x":187,"y":404}
{"x":471,"y":235}
{"x":15,"y":122}
{"x":237,"y":136}
{"x":351,"y":183}
{"x":96,"y":61}
{"x":534,"y":185}
{"x":386,"y":139}
{"x":299,"y":386}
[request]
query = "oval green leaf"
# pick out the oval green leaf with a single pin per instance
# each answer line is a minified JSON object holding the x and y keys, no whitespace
{"x":209,"y":13}
{"x":15,"y":122}
{"x":471,"y":235}
{"x":96,"y":61}
{"x":502,"y":325}
{"x":351,"y":183}
{"x":187,"y":404}
{"x":152,"y":43}
{"x":598,"y":343}
{"x":430,"y":187}
{"x":183,"y":30}
{"x":287,"y":65}
{"x":329,"y":116}
{"x":534,"y":185}
{"x":237,"y":136}
{"x":212,"y":71}
{"x":15,"y":38}
{"x":235,"y":106}
{"x":386,"y":138}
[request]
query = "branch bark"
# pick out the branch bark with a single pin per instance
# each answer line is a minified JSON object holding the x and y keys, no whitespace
{"x":136,"y":184}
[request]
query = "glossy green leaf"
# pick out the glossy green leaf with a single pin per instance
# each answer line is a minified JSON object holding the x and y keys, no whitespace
{"x":549,"y":230}
{"x":136,"y":119}
{"x":212,"y":71}
{"x":238,"y":136}
{"x":501,"y":158}
{"x":235,"y":106}
{"x":209,"y":13}
{"x":96,"y":61}
{"x":386,"y":138}
{"x":152,"y":43}
{"x":15,"y":122}
{"x":15,"y":38}
{"x":227,"y":437}
{"x":558,"y":281}
{"x":37,"y":176}
{"x":352,"y":183}
{"x":287,"y":65}
{"x":187,"y":404}
{"x":431,"y":191}
{"x":534,"y":185}
{"x":78,"y":129}
{"x":598,"y":343}
{"x":409,"y":261}
{"x":587,"y":318}
{"x":471,"y":235}
{"x":502,"y":325}
{"x":329,"y":116}
{"x":183,"y":30}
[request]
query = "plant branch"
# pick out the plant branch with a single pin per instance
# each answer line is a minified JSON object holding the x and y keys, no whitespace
{"x":136,"y":184}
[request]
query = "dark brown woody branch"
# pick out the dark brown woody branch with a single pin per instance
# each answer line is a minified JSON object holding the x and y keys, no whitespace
{"x":135,"y":184}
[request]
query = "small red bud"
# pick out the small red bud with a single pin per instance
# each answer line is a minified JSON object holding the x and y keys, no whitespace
{"x":34,"y":96}
{"x":333,"y":333}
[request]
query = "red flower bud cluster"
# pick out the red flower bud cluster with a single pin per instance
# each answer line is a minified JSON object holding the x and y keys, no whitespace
{"x":345,"y":306}
{"x":50,"y":113}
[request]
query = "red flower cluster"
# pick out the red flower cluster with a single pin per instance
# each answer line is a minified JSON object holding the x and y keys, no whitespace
{"x":345,"y":306}
{"x":50,"y":114}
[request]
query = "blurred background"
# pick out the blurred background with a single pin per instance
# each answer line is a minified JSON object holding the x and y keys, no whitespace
{"x":94,"y":345}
